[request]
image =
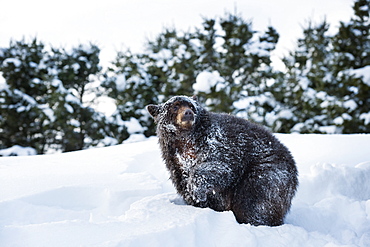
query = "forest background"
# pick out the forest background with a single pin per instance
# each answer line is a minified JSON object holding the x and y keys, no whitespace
{"x":49,"y":95}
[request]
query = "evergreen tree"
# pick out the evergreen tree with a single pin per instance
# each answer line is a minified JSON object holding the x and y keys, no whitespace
{"x":352,"y":40}
{"x":26,"y":110}
{"x":80,"y":126}
{"x":238,"y":59}
{"x":309,"y":85}
{"x":136,"y":80}
{"x":255,"y":78}
{"x":43,"y":99}
{"x":352,"y":59}
{"x":129,"y":84}
{"x":324,"y":88}
{"x":226,"y":51}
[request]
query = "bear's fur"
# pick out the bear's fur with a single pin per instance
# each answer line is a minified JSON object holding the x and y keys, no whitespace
{"x":224,"y":162}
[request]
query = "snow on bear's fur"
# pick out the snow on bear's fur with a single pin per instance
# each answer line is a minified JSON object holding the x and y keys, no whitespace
{"x":224,"y":162}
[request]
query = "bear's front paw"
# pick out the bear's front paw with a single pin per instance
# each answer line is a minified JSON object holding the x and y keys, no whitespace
{"x":201,"y":193}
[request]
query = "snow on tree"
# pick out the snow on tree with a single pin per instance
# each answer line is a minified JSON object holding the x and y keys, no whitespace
{"x":26,"y":109}
{"x":42,"y":98}
{"x":324,"y":86}
{"x":223,"y":61}
{"x":352,"y":50}
{"x":81,"y":125}
{"x":308,"y":84}
{"x":47,"y":94}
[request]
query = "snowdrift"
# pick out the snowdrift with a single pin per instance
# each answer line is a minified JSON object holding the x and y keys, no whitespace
{"x":121,"y":196}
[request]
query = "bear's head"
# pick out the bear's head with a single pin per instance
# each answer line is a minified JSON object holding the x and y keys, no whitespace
{"x":178,"y":113}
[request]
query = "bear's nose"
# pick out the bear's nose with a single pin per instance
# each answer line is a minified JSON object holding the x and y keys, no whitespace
{"x":188,"y":115}
{"x":188,"y":112}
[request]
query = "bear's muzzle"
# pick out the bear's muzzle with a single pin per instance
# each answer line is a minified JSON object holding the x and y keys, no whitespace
{"x":185,"y":117}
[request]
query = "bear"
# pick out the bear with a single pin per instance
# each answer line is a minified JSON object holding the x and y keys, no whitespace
{"x":225,"y":163}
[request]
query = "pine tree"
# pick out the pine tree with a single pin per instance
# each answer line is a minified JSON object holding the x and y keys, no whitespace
{"x":224,"y":50}
{"x":308,"y":93}
{"x":352,"y":51}
{"x":353,"y":40}
{"x":236,"y":60}
{"x":324,"y":87}
{"x":257,"y":78}
{"x":80,"y":126}
{"x":26,"y":112}
{"x":128,"y":83}
{"x":43,"y":99}
{"x":136,"y":80}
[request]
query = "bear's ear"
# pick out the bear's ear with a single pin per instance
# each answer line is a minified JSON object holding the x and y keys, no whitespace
{"x":153,"y":110}
{"x":195,"y":98}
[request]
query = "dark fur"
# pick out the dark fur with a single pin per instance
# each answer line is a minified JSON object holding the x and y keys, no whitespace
{"x":224,"y":162}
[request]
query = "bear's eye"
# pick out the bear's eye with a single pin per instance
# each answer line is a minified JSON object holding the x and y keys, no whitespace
{"x":175,"y":107}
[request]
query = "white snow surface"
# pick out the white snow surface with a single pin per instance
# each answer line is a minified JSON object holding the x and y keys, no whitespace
{"x":121,"y":196}
{"x":17,"y":150}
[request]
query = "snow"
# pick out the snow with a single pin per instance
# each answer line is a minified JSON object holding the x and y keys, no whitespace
{"x":331,"y":129}
{"x":364,"y":73}
{"x":47,"y":111}
{"x":206,"y":80}
{"x":3,"y":84}
{"x":135,"y":138}
{"x":109,"y":141}
{"x":286,"y":114}
{"x":364,"y":8}
{"x":15,"y":61}
{"x":17,"y":150}
{"x":162,"y":57}
{"x":75,"y":67}
{"x":181,"y":52}
{"x":72,"y":99}
{"x":350,"y":104}
{"x":260,"y":49}
{"x":133,"y":126}
{"x":69,"y":108}
{"x":26,"y":97}
{"x":121,"y":82}
{"x":365,"y":117}
{"x":121,"y":196}
{"x":74,"y":122}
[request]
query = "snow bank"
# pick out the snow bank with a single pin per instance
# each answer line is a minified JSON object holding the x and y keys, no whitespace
{"x":17,"y":150}
{"x":121,"y":196}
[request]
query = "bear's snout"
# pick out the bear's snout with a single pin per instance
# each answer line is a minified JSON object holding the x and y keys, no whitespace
{"x":185,"y":117}
{"x":188,"y":115}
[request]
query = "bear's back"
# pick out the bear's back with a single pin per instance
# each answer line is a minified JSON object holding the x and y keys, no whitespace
{"x":248,"y":141}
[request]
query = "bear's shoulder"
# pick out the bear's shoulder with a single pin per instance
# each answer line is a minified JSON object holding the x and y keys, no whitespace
{"x":233,"y":124}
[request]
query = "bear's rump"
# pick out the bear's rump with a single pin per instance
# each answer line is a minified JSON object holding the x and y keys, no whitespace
{"x":264,"y":196}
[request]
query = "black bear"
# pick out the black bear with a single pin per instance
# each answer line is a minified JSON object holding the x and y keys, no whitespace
{"x":224,"y":162}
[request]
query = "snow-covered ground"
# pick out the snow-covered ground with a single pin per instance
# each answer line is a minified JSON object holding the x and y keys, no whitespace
{"x":121,"y":196}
